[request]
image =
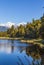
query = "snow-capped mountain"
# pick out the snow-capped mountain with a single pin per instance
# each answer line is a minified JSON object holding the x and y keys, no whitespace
{"x":5,"y":26}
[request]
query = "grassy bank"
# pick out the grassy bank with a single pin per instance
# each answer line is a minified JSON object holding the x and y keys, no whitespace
{"x":34,"y":41}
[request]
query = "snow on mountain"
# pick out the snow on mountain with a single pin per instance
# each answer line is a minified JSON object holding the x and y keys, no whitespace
{"x":22,"y":23}
{"x":9,"y":24}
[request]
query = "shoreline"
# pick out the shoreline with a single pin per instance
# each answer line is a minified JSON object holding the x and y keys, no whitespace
{"x":6,"y":38}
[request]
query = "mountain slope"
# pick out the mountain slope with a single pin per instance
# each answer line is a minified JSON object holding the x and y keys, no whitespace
{"x":3,"y":28}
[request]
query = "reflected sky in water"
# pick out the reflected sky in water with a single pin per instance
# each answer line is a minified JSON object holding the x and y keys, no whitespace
{"x":13,"y":52}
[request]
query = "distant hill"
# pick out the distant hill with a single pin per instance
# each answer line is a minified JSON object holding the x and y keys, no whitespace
{"x":3,"y":28}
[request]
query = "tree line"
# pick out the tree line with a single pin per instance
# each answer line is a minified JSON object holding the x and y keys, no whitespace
{"x":32,"y":30}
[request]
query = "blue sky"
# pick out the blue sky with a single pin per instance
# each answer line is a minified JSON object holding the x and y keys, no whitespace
{"x":18,"y":11}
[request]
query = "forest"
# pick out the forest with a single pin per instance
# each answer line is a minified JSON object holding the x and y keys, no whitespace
{"x":32,"y":30}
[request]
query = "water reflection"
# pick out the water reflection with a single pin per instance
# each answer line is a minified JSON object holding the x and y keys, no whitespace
{"x":12,"y":52}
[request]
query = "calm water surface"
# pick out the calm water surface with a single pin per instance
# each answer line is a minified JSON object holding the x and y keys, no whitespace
{"x":13,"y":52}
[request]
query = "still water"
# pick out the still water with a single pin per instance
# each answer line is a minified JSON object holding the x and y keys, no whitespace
{"x":13,"y":52}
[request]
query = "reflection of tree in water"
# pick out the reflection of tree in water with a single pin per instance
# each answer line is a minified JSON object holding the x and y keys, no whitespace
{"x":33,"y":51}
{"x":12,"y":45}
{"x":36,"y":52}
{"x":19,"y":47}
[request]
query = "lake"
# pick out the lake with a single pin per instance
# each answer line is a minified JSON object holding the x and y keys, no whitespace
{"x":13,"y":52}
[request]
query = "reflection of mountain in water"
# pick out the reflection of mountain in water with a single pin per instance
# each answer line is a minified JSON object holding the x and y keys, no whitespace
{"x":11,"y":47}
